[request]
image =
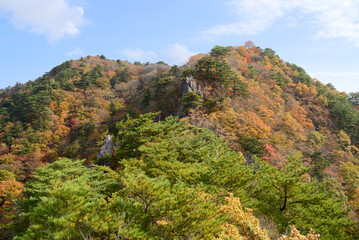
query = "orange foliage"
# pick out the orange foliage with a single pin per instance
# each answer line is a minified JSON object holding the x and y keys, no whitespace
{"x":60,"y":132}
{"x":248,"y":57}
{"x":300,"y":115}
{"x":253,"y":126}
{"x":10,"y":191}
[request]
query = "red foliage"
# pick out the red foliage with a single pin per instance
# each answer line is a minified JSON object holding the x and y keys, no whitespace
{"x":271,"y":152}
{"x":74,"y":123}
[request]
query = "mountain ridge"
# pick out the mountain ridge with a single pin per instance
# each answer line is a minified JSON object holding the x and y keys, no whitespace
{"x":262,"y":107}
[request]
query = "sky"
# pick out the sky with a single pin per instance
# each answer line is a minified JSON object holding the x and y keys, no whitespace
{"x":322,"y":36}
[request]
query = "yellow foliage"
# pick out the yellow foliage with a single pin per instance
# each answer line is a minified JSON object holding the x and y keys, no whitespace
{"x":111,"y":74}
{"x":291,"y":127}
{"x":295,"y":235}
{"x":103,"y":82}
{"x":278,"y":139}
{"x":7,"y":158}
{"x":243,"y":225}
{"x":322,"y":101}
{"x":301,"y":89}
{"x":265,"y":113}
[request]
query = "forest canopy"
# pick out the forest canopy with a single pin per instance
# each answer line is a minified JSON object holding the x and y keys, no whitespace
{"x":236,"y":144}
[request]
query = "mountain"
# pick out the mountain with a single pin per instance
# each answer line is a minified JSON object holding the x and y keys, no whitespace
{"x":190,"y":150}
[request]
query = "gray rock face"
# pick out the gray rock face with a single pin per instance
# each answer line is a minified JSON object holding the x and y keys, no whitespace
{"x":106,"y":149}
{"x":192,"y":86}
{"x":189,"y":86}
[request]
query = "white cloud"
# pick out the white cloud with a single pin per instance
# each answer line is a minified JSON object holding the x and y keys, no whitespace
{"x":55,"y":19}
{"x":343,"y":81}
{"x":336,"y":19}
{"x":75,"y":52}
{"x":178,"y":54}
{"x":253,"y":17}
{"x":140,"y":55}
{"x":332,"y":18}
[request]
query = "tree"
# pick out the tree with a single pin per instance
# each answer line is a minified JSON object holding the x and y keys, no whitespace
{"x":219,"y":51}
{"x":216,"y":72}
{"x":191,"y":100}
{"x":249,"y":45}
{"x":350,"y":173}
{"x":289,"y":197}
{"x":295,"y":235}
{"x":69,"y":200}
{"x":10,"y":193}
{"x":62,"y":197}
{"x":269,"y":53}
{"x":161,"y":211}
{"x":353,"y":98}
{"x":242,"y":224}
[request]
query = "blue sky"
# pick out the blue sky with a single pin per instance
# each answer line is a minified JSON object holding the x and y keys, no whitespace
{"x":322,"y":36}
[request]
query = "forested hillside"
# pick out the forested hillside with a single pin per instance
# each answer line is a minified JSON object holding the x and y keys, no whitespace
{"x":235,"y":144}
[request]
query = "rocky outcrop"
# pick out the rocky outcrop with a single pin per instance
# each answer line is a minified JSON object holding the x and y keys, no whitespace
{"x":106,"y":150}
{"x":192,"y":86}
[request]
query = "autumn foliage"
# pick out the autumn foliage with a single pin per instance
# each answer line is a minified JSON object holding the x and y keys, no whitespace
{"x":245,"y":121}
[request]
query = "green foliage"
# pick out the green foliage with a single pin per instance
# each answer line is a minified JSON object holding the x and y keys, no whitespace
{"x":146,"y":99}
{"x":239,"y":88}
{"x":161,"y":62}
{"x":269,"y":53}
{"x":191,"y":100}
{"x":90,"y":77}
{"x":160,"y":210}
{"x":218,"y":72}
{"x":64,"y":72}
{"x":213,"y":70}
{"x":113,"y":108}
{"x":169,"y":178}
{"x":31,"y":105}
{"x":69,"y":191}
{"x":124,"y":75}
{"x":178,"y":151}
{"x":219,"y":51}
{"x":353,"y":98}
{"x":188,"y":72}
{"x":13,"y":133}
{"x":279,"y":79}
{"x":86,"y":129}
{"x":69,"y":201}
{"x":132,"y":133}
{"x":289,"y":198}
{"x":175,"y":70}
{"x":73,"y":150}
{"x":163,"y":82}
{"x":211,"y":103}
{"x":252,"y":146}
{"x":319,"y":164}
{"x":300,"y":75}
{"x":253,"y":73}
{"x":346,"y":116}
